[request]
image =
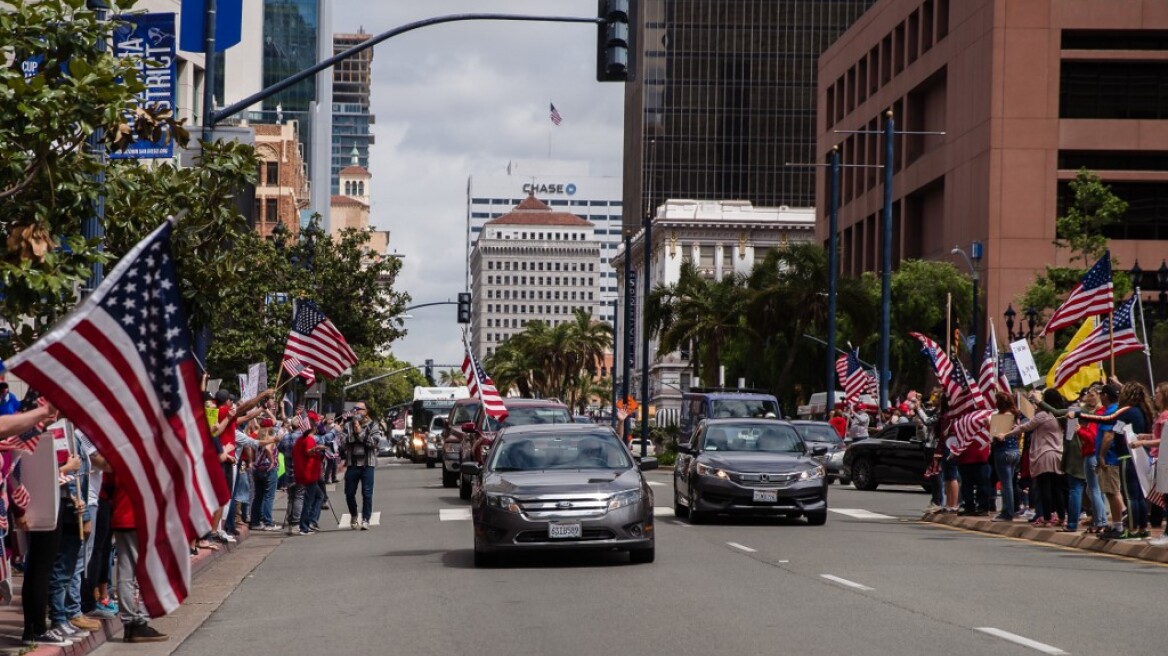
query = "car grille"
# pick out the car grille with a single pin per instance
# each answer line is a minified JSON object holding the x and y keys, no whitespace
{"x":587,"y":535}
{"x":563,"y":508}
{"x":765,"y":479}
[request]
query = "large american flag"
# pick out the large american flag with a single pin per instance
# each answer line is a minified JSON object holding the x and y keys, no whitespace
{"x":120,"y":367}
{"x":481,"y":385}
{"x":295,"y":367}
{"x":963,"y":392}
{"x":971,"y":429}
{"x":989,"y":377}
{"x":1094,"y":295}
{"x":855,"y":380}
{"x":1098,"y":346}
{"x":315,"y":342}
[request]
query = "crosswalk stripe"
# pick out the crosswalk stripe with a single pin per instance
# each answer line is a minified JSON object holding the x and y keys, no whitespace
{"x":860,"y":513}
{"x":454,"y":514}
{"x":346,"y":519}
{"x":374,"y":519}
{"x":662,"y":511}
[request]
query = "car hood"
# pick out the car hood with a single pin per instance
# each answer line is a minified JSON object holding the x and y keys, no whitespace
{"x":771,"y":463}
{"x":567,"y":482}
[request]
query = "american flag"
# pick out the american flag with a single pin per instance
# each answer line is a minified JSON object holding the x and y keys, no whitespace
{"x":555,"y":115}
{"x":301,"y":422}
{"x":482,"y":386}
{"x":26,"y":441}
{"x":120,"y":367}
{"x":1094,"y":295}
{"x":963,"y":393}
{"x":971,"y":429}
{"x":1098,"y":345}
{"x":989,"y":378}
{"x":295,"y":367}
{"x":856,"y":380}
{"x":315,"y":342}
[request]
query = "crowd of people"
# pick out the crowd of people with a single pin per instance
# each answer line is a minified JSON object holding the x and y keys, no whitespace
{"x":82,"y":570}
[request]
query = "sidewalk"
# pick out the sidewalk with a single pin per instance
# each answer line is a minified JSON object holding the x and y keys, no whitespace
{"x":1020,"y":529}
{"x":12,"y":617}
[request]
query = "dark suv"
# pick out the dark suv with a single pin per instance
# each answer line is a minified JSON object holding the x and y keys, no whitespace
{"x":462,"y":413}
{"x":478,"y":436}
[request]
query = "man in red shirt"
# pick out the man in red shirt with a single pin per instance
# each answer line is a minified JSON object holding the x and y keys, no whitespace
{"x":839,"y":422}
{"x":307,"y":457}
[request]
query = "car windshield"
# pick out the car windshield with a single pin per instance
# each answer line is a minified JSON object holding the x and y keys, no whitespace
{"x":527,"y":416}
{"x":745,"y":408}
{"x":537,"y":452}
{"x":753,"y":437}
{"x":818,"y":433}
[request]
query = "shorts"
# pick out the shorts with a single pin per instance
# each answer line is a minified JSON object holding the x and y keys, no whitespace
{"x":949,"y":470}
{"x":1109,"y":479}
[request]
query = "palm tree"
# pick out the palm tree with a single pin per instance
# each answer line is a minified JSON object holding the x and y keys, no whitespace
{"x":451,"y":378}
{"x":694,"y":310}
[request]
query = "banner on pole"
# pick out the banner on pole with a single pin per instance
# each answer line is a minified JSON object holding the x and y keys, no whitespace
{"x":150,"y":38}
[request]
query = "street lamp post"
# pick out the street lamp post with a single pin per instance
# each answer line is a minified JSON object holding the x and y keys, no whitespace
{"x":1162,"y":285}
{"x":1031,"y":321}
{"x":1010,"y":314}
{"x":832,"y":276}
{"x":974,"y":328}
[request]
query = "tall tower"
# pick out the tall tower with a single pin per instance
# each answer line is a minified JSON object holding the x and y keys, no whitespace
{"x":351,"y":117}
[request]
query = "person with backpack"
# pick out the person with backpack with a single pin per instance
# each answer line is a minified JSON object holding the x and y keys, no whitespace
{"x":359,"y":439}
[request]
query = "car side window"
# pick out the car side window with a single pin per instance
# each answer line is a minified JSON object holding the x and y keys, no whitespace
{"x":698,"y":409}
{"x":697,"y":438}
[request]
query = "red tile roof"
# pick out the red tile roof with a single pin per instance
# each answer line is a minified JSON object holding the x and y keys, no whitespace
{"x":533,"y":211}
{"x":346,"y":201}
{"x":356,"y":170}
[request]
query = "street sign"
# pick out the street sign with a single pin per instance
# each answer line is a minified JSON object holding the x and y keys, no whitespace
{"x":150,"y":38}
{"x":228,"y":24}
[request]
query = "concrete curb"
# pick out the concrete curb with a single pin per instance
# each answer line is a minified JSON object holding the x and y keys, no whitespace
{"x":1139,"y":549}
{"x":110,"y":629}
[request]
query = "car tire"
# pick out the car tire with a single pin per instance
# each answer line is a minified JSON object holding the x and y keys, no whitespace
{"x":845,"y":481}
{"x":679,"y":510}
{"x":449,"y":478}
{"x":643,"y":556}
{"x":695,"y":516}
{"x":484,"y":559}
{"x":463,"y":488}
{"x":818,"y":518}
{"x":429,"y":463}
{"x":830,"y":480}
{"x":862,"y":477}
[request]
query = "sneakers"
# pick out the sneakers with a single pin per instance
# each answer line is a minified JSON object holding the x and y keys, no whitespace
{"x":100,"y":613}
{"x":364,"y":524}
{"x":143,"y":633}
{"x":70,"y":632}
{"x":304,"y":532}
{"x":1161,"y":541}
{"x":108,"y":605}
{"x":224,"y":536}
{"x":355,"y":524}
{"x":52,"y":637}
{"x":83,"y":623}
{"x":932,"y":508}
{"x":1001,"y":518}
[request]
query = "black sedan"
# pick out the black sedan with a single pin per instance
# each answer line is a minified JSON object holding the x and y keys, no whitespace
{"x":897,"y":455}
{"x":749,"y":467}
{"x":821,"y":433}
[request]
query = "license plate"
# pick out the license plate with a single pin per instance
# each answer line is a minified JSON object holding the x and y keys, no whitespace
{"x":766,"y":496}
{"x":562,"y":530}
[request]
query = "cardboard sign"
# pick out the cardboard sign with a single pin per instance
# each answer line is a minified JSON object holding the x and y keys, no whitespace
{"x":257,"y":375}
{"x":1025,"y":359}
{"x":39,"y":475}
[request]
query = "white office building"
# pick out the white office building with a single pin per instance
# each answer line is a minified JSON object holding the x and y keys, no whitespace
{"x":566,"y":186}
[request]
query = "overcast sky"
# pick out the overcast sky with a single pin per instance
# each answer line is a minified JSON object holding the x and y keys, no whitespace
{"x":461,"y":99}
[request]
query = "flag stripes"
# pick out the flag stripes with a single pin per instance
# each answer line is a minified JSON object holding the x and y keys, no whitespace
{"x":1093,"y":296}
{"x":315,"y":342}
{"x":1099,"y":344}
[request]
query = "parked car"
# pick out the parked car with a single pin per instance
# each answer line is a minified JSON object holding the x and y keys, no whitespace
{"x":715,"y":403}
{"x":749,"y":467}
{"x":897,"y":455}
{"x":821,"y":433}
{"x":453,"y":434}
{"x":557,"y":486}
{"x":582,"y":419}
{"x":478,"y":436}
{"x":434,"y":442}
{"x":635,"y":447}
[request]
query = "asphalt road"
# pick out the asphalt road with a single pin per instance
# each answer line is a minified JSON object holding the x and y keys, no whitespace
{"x":872,"y":581}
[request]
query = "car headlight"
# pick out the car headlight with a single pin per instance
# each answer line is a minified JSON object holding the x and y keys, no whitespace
{"x":706,"y":470}
{"x":622,"y":499}
{"x":418,"y":442}
{"x":508,"y":504}
{"x":811,"y":474}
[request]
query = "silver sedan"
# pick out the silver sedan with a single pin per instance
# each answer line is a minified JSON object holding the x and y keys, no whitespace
{"x":563,"y":486}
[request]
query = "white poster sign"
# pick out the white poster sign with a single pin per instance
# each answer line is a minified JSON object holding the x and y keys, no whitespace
{"x":39,"y":475}
{"x":1025,"y":359}
{"x":257,"y":375}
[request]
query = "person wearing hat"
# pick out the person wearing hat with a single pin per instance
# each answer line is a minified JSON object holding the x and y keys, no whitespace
{"x":358,"y":444}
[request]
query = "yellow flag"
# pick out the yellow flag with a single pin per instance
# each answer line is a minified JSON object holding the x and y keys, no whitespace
{"x":1085,"y":376}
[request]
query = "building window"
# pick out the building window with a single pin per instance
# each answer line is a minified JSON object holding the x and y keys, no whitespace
{"x":271,"y":210}
{"x":271,"y":173}
{"x":1114,"y":90}
{"x":1147,"y":214}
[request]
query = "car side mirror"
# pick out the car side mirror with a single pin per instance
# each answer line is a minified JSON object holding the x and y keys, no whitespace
{"x":685,"y":448}
{"x":471,"y":469}
{"x":819,"y":450}
{"x":468,"y":427}
{"x":648,"y":463}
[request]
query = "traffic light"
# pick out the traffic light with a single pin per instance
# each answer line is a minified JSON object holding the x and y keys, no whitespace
{"x":429,"y":372}
{"x":613,"y":41}
{"x":464,"y":307}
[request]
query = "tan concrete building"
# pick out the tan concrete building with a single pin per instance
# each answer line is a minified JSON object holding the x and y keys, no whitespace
{"x":282,"y":190}
{"x":1027,"y":92}
{"x":350,"y":209}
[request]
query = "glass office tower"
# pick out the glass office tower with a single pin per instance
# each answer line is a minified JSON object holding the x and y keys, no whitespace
{"x":351,"y":118}
{"x":724,"y":98}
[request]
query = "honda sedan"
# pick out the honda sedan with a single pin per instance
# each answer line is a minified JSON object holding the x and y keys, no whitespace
{"x":563,"y":486}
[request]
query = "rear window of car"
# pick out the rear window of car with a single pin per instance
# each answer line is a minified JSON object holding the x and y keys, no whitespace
{"x":818,"y":433}
{"x":744,"y":408}
{"x":531,"y":415}
{"x":538,"y":452}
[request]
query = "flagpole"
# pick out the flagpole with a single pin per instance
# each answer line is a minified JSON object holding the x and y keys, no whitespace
{"x":1111,"y":339}
{"x":1147,"y":340}
{"x":948,"y":317}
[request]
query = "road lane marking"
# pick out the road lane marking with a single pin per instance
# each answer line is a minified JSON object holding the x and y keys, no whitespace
{"x":1020,"y":640}
{"x":662,"y":511}
{"x":454,"y":514}
{"x":741,"y":547}
{"x":850,"y":584}
{"x":374,"y":519}
{"x":657,"y":484}
{"x":860,"y":513}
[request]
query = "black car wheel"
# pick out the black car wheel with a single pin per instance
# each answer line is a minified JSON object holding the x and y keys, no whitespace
{"x":817,"y":518}
{"x":482,"y":558}
{"x":464,"y":488}
{"x":862,"y":477}
{"x":845,"y":481}
{"x":678,"y":509}
{"x":643,"y":556}
{"x":695,"y":516}
{"x":429,"y":463}
{"x":449,"y":478}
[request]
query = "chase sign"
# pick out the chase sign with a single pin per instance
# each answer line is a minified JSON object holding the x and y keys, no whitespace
{"x":544,"y":189}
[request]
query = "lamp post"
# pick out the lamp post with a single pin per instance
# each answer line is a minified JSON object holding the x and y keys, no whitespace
{"x":1031,"y":321}
{"x":974,"y":329}
{"x":1010,"y":314}
{"x":1162,"y":285}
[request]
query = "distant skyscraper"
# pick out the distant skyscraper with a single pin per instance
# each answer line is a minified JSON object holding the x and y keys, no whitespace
{"x":724,"y":98}
{"x":351,"y":117}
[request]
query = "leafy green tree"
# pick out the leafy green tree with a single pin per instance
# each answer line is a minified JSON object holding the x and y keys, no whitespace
{"x":700,"y":312}
{"x":1093,"y":208}
{"x":451,"y":378}
{"x":381,"y":395}
{"x":552,"y":362}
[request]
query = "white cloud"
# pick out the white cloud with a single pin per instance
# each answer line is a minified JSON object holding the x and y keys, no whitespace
{"x":465,"y":98}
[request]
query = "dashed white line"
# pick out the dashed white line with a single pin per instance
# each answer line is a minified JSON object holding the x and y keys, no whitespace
{"x":454,"y":514}
{"x":1020,"y":640}
{"x":741,"y":547}
{"x":657,"y":484}
{"x":860,"y":513}
{"x":662,"y":511}
{"x":845,"y":582}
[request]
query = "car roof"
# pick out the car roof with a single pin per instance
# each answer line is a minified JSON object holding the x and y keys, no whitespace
{"x":729,"y":395}
{"x":808,"y":422}
{"x":538,"y":403}
{"x":571,"y":429}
